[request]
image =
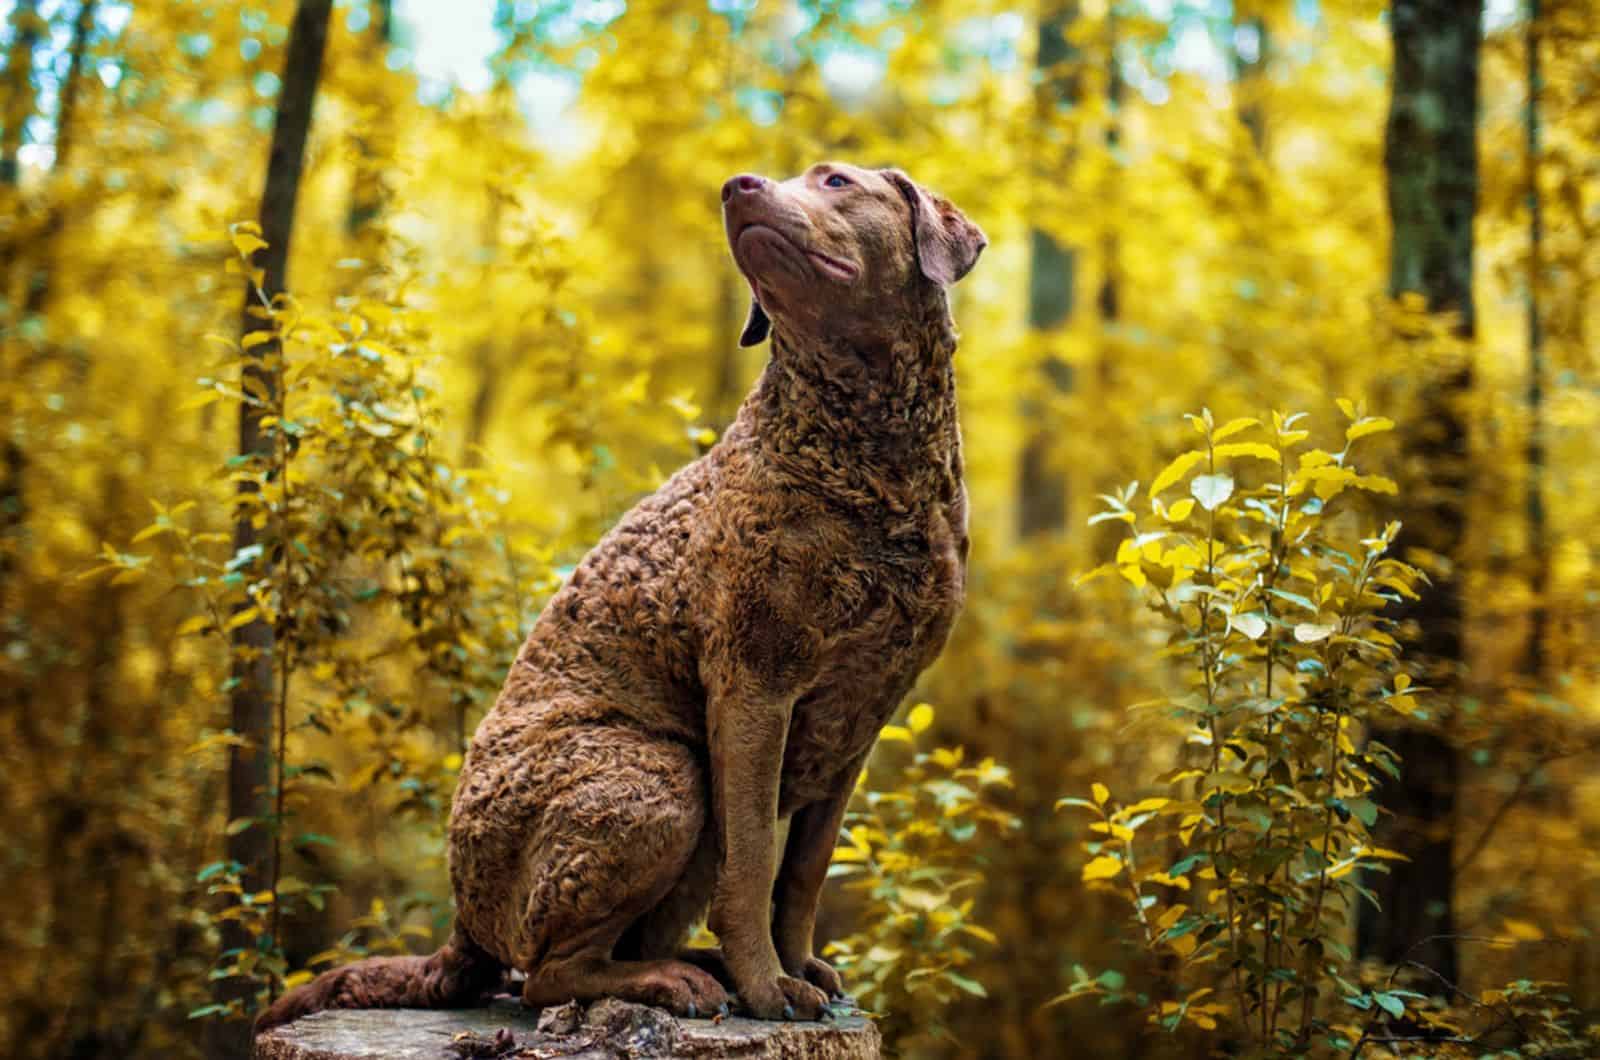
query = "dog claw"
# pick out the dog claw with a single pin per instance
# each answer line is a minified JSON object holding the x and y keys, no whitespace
{"x":788,"y":1012}
{"x":694,"y":1012}
{"x":722,"y":1010}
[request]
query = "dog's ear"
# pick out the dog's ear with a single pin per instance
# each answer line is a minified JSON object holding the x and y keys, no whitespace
{"x":757,"y":326}
{"x":947,"y":243}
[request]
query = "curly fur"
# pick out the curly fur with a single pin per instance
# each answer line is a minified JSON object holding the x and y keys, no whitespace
{"x":725,"y":657}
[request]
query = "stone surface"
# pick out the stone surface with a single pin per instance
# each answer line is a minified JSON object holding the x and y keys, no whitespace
{"x":606,"y":1030}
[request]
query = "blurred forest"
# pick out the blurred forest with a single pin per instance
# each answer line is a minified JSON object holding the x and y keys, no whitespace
{"x":275,"y":513}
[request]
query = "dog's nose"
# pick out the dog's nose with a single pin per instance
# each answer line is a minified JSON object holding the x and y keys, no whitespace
{"x":744,"y":182}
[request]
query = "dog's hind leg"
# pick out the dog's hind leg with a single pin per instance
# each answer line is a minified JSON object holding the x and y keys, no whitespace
{"x":620,"y":824}
{"x":664,"y":931}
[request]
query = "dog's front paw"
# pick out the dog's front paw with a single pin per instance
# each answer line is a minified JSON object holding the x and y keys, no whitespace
{"x":783,"y":998}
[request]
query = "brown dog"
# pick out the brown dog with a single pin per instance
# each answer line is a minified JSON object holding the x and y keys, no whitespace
{"x":727,"y":654}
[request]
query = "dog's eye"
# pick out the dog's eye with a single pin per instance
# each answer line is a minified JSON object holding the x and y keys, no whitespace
{"x":836,"y":181}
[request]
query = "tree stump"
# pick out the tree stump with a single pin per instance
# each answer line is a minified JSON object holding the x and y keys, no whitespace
{"x":605,"y":1030}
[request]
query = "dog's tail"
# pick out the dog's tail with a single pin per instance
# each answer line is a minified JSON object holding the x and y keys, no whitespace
{"x":458,"y":975}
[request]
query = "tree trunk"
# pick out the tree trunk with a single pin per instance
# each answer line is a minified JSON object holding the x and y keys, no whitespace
{"x":368,"y":194}
{"x":1431,"y":160}
{"x":1539,"y":565}
{"x":40,"y":267}
{"x":1251,"y":52}
{"x":19,"y":94}
{"x":605,"y":1030}
{"x":1042,"y":489}
{"x":72,"y":86}
{"x":251,"y":701}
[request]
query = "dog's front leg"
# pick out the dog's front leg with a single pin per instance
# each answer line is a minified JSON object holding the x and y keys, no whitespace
{"x":812,"y":835}
{"x":746,"y":736}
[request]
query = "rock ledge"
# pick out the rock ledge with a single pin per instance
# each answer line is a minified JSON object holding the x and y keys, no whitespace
{"x":606,"y":1030}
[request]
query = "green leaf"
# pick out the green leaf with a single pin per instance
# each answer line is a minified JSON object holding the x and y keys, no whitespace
{"x":1390,"y":1004}
{"x":1294,"y":598}
{"x":971,"y":986}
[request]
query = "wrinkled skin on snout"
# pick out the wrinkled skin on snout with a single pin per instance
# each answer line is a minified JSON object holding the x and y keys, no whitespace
{"x":841,"y":252}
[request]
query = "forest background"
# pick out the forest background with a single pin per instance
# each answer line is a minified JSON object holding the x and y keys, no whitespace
{"x":265,"y":556}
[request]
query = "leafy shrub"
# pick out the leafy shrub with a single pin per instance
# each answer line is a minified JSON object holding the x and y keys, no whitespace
{"x":912,"y":851}
{"x":1243,"y":878}
{"x":1276,"y":612}
{"x":360,"y":525}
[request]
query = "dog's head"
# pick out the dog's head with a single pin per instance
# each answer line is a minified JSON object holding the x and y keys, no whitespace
{"x":842,"y":252}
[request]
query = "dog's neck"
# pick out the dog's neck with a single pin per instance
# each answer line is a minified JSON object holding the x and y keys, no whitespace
{"x":872,"y":422}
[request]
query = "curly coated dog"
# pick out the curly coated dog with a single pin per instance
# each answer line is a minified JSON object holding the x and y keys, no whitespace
{"x":724,"y":658}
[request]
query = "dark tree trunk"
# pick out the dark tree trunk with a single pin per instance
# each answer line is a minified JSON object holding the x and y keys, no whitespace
{"x":369,"y":194}
{"x":41,"y":265}
{"x":252,"y":698}
{"x":72,"y":86}
{"x":1431,"y":160}
{"x":18,"y":105}
{"x":1251,"y":54}
{"x":1539,"y":569}
{"x":1042,"y":489}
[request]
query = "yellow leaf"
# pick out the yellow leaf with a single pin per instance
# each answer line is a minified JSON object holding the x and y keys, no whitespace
{"x":200,"y":400}
{"x":1101,"y":793}
{"x":1376,"y":484}
{"x":257,"y":338}
{"x":895,"y":733}
{"x":1255,"y":449}
{"x":1104,"y":867}
{"x":1176,"y":470}
{"x":1180,"y":511}
{"x":1184,"y":945}
{"x":1232,"y":427}
{"x":193,"y":624}
{"x":1171,"y":916}
{"x":1370,"y":425}
{"x":243,"y":618}
{"x":1521,"y":930}
{"x":247,"y":243}
{"x":1148,"y":805}
{"x":365,"y":775}
{"x":920,"y":718}
{"x":1229,"y":781}
{"x":300,"y":978}
{"x":980,"y":933}
{"x":1385,"y":853}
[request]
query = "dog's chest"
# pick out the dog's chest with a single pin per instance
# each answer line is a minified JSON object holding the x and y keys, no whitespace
{"x":892,"y":603}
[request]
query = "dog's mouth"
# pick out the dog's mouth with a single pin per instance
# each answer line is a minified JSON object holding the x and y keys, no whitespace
{"x":756,"y":240}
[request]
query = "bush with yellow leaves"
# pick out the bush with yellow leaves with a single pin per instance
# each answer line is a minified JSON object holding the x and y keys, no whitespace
{"x":1241,"y":878}
{"x":913,"y":854}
